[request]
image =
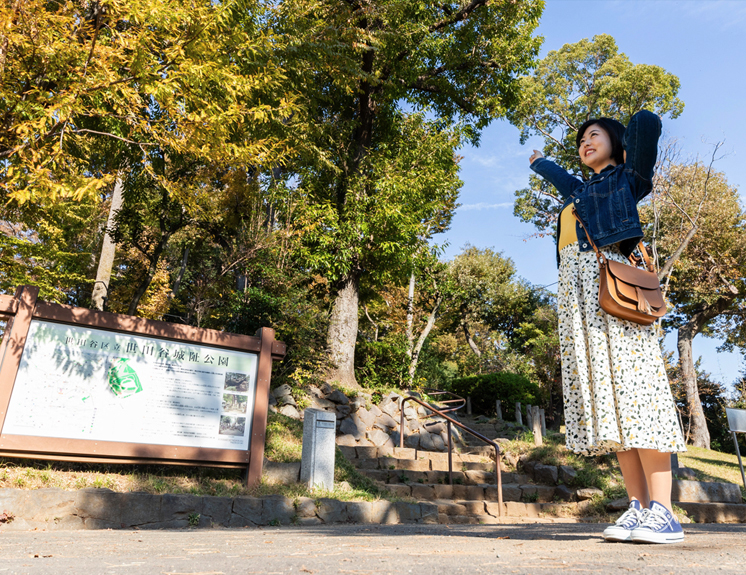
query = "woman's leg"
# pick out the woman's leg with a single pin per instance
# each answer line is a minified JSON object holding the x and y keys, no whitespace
{"x":657,"y":468}
{"x":635,"y":479}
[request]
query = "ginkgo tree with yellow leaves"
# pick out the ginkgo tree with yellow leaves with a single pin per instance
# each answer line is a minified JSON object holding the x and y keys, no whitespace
{"x":90,"y":91}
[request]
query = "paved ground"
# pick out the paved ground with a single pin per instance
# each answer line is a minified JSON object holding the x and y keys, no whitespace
{"x":363,"y":550}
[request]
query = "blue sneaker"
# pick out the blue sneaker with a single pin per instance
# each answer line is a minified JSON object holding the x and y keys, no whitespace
{"x":658,"y":526}
{"x":630,"y":519}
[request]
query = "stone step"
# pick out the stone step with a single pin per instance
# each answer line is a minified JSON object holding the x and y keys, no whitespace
{"x":468,"y":477}
{"x":482,"y":492}
{"x":406,"y":453}
{"x":393,"y":463}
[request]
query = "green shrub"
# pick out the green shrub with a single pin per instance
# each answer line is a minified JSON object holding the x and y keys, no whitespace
{"x":505,"y":386}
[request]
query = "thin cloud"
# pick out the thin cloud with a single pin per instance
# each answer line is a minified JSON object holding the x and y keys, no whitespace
{"x":485,"y":206}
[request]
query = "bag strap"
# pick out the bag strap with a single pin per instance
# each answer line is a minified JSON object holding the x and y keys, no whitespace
{"x":600,"y":255}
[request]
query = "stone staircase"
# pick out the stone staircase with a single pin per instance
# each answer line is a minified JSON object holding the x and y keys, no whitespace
{"x":423,"y":475}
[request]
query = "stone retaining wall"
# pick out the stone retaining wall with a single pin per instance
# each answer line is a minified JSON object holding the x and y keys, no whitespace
{"x":105,"y":509}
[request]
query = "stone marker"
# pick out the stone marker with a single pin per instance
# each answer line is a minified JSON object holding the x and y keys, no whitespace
{"x":536,"y":424}
{"x":317,"y":458}
{"x":518,"y":415}
{"x":498,"y":410}
{"x":529,"y":413}
{"x":468,"y":405}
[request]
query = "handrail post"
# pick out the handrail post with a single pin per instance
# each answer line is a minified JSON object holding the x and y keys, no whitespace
{"x":401,"y":424}
{"x":450,"y":455}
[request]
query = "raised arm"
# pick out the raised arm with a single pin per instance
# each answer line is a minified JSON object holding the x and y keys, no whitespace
{"x":640,"y":143}
{"x":558,"y":177}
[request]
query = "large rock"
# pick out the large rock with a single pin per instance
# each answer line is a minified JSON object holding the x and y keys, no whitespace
{"x":435,"y":427}
{"x":323,"y":404}
{"x":618,"y":504}
{"x":343,"y":411}
{"x":705,"y":492}
{"x":588,"y":493}
{"x":346,"y":440}
{"x":338,"y":397}
{"x":567,"y":474}
{"x":375,"y":411}
{"x":412,"y":440}
{"x":426,"y":442}
{"x":357,"y":403}
{"x":282,"y":391}
{"x":545,"y":474}
{"x":385,"y":421}
{"x":287,"y":400}
{"x":390,"y":409}
{"x":409,"y":413}
{"x":290,"y":411}
{"x":366,"y":417}
{"x":380,"y":438}
{"x":438,"y":443}
{"x":353,"y":426}
{"x":564,"y":493}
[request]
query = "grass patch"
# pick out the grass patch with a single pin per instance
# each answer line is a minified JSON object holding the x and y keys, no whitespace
{"x":284,"y":440}
{"x":283,"y":443}
{"x":709,"y":465}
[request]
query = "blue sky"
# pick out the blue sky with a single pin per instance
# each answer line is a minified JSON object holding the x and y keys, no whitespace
{"x":701,"y":42}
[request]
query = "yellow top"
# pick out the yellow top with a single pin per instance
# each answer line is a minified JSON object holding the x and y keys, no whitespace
{"x":568,"y":235}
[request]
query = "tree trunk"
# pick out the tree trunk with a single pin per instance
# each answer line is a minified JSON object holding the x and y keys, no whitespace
{"x":145,"y":283}
{"x":414,"y":353}
{"x":469,"y":340}
{"x":700,"y":435}
{"x":182,"y":270}
{"x":108,"y":250}
{"x":342,"y":334}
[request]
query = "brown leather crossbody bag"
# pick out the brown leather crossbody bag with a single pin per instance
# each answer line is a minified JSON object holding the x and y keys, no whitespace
{"x":627,"y":291}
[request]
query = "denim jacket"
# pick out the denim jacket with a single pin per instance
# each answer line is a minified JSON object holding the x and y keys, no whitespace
{"x":607,"y":202}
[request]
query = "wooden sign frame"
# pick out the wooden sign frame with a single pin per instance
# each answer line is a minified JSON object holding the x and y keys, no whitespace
{"x":24,"y":307}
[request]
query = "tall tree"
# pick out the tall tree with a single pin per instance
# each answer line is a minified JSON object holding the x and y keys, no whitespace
{"x":361,"y":65}
{"x":588,"y":79}
{"x":705,"y":282}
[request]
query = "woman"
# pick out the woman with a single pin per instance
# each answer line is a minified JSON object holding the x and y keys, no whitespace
{"x":616,"y":392}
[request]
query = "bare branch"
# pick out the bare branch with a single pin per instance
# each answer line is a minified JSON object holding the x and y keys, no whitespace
{"x":458,"y":16}
{"x":668,"y":266}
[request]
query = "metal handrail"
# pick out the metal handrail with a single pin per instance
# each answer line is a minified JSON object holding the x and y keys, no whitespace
{"x":449,"y":421}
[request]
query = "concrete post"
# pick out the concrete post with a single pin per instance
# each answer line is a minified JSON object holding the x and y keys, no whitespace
{"x":543,"y":419}
{"x":518,"y":414}
{"x":319,"y":447}
{"x":498,"y":410}
{"x":468,"y":405}
{"x":529,"y":416}
{"x":536,"y":424}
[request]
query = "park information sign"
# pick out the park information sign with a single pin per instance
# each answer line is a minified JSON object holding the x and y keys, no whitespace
{"x":84,"y":383}
{"x":87,"y":385}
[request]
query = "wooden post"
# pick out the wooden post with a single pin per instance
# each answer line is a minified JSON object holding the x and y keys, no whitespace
{"x":261,"y":406}
{"x":14,"y":342}
{"x":498,"y":410}
{"x":543,"y":419}
{"x":468,"y":405}
{"x":518,"y":415}
{"x":536,"y":424}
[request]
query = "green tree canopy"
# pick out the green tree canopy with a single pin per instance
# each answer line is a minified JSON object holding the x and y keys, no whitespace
{"x":588,"y":79}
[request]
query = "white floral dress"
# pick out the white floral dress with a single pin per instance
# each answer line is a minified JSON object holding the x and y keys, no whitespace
{"x":616,"y":390}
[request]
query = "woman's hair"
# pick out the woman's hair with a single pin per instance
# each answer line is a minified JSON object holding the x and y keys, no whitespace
{"x":615,"y":131}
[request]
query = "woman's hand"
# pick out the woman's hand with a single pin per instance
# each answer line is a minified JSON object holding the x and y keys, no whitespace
{"x":535,"y":156}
